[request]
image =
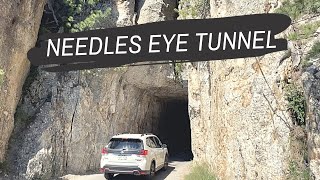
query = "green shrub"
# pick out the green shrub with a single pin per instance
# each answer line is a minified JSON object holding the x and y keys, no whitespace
{"x":200,"y":172}
{"x":306,"y":63}
{"x":304,"y":31}
{"x":75,"y":16}
{"x":178,"y":68}
{"x":296,"y":8}
{"x":296,"y":103}
{"x":86,"y":15}
{"x":96,"y":20}
{"x":191,"y":9}
{"x":314,"y":52}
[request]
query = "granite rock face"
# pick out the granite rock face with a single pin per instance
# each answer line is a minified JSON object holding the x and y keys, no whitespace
{"x":155,"y":10}
{"x":238,"y":119}
{"x":76,"y":119}
{"x":312,"y":88}
{"x":311,"y":83}
{"x":65,"y":119}
{"x":19,"y":24}
{"x":240,"y":125}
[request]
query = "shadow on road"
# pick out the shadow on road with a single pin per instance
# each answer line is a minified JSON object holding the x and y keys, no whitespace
{"x":160,"y":175}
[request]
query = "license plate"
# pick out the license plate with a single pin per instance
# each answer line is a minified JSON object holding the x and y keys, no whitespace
{"x":122,"y":158}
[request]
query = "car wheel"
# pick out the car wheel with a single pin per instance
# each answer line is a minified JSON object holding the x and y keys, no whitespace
{"x":108,"y":176}
{"x":166,"y":163}
{"x":152,"y":171}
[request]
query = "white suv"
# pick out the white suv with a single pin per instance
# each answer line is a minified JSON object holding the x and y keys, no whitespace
{"x":136,"y":154}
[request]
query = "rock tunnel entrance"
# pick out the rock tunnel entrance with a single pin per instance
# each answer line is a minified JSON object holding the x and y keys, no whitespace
{"x":174,"y":129}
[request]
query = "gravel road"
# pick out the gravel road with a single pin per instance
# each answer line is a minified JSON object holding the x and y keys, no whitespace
{"x":176,"y":171}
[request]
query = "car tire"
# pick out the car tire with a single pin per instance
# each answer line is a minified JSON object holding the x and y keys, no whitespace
{"x":166,"y":163}
{"x":152,"y":171}
{"x":108,"y":176}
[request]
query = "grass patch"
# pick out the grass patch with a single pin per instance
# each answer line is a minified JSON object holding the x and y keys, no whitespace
{"x":304,"y":31}
{"x":297,"y":173}
{"x":298,"y":168}
{"x":200,"y":172}
{"x":296,"y":8}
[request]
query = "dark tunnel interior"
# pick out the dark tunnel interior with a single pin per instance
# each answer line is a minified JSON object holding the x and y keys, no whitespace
{"x":175,"y":129}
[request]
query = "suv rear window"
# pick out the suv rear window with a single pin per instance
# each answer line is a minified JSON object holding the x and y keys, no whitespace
{"x":128,"y":144}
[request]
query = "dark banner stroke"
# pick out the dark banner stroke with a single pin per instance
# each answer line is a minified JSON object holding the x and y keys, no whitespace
{"x":273,"y":23}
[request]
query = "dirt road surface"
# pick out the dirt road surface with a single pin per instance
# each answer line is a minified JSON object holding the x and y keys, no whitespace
{"x":176,"y":171}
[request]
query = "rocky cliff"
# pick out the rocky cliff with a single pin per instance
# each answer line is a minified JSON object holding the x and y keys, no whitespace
{"x":241,"y":118}
{"x":77,"y":115}
{"x":64,"y":119}
{"x":311,"y":83}
{"x":241,"y":125}
{"x":240,"y":108}
{"x":19,"y":24}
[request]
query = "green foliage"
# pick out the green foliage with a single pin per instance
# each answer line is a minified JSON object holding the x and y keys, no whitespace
{"x":200,"y":172}
{"x":1,"y":76}
{"x":304,"y":31}
{"x":178,"y":68}
{"x":191,"y":9}
{"x":305,"y":63}
{"x":86,"y":15}
{"x":296,"y":8}
{"x":298,"y":173}
{"x":95,"y":20}
{"x":314,"y":52}
{"x":296,"y":103}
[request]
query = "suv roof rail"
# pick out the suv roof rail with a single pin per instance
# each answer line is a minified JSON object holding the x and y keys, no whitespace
{"x":148,"y":134}
{"x":122,"y":133}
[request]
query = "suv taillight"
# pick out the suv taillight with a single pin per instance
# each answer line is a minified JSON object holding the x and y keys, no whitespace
{"x":143,"y":152}
{"x":104,"y":151}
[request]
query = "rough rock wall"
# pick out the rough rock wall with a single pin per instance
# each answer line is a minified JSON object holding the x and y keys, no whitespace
{"x":238,"y":119}
{"x":76,"y":119}
{"x":66,"y":118}
{"x":311,"y":83}
{"x":19,"y":24}
{"x":156,"y":10}
{"x":237,"y":124}
{"x":311,"y":80}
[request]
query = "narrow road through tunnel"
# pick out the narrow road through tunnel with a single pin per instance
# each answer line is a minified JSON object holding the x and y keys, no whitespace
{"x":175,"y":129}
